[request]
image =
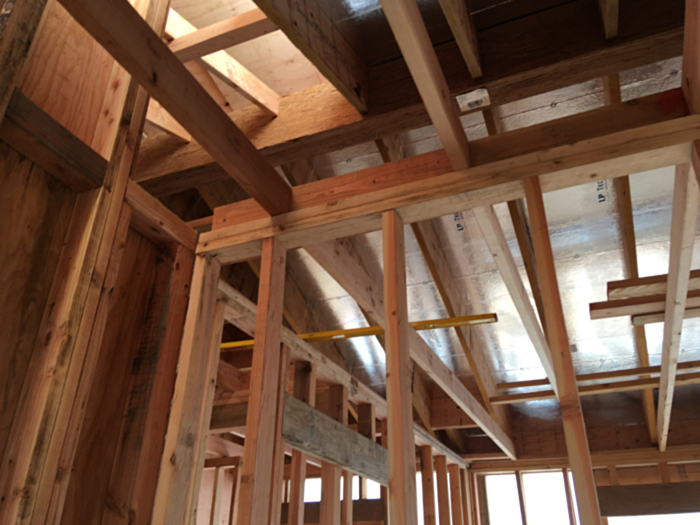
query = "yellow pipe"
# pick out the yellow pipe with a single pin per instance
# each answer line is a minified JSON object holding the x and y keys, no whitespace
{"x":433,"y":324}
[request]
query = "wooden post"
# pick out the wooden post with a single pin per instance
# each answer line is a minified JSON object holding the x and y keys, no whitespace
{"x":521,"y":496}
{"x":235,"y":496}
{"x":218,"y":492}
{"x":367,"y":426}
{"x":443,"y":490}
{"x":304,"y":389}
{"x":482,"y":500}
{"x":402,"y":456}
{"x":335,"y":406}
{"x":257,"y":468}
{"x":428,"y":484}
{"x":565,"y":378}
{"x":278,"y":454}
{"x":466,"y":500}
{"x":188,"y":425}
{"x":456,"y":495}
{"x":569,"y":498}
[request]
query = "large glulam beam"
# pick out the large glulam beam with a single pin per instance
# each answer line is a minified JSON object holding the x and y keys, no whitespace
{"x":129,"y":39}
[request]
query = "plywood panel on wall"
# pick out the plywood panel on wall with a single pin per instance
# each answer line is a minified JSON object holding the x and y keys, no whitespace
{"x":67,"y":73}
{"x":35,"y":210}
{"x":106,"y":404}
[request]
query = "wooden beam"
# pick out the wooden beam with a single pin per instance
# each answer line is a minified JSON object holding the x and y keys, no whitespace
{"x":155,"y":221}
{"x":428,"y":485}
{"x":222,"y":35}
{"x":686,"y":202}
{"x":564,"y":378}
{"x":643,"y":383}
{"x":443,"y":490}
{"x":35,"y":134}
{"x":460,"y":21}
{"x":257,"y":466}
{"x":432,"y":193}
{"x":227,"y":69}
{"x":402,"y":464}
{"x":645,"y":500}
{"x":316,"y":36}
{"x":127,"y":37}
{"x":496,"y":241}
{"x":691,"y":44}
{"x":314,"y":433}
{"x":304,"y":390}
{"x":17,"y":30}
{"x":613,"y":95}
{"x":228,"y":376}
{"x":646,"y":286}
{"x":435,"y":257}
{"x":610,"y":11}
{"x":412,"y":36}
{"x":456,"y":495}
{"x":596,"y":376}
{"x":639,"y":306}
{"x":164,"y":121}
{"x":177,"y":491}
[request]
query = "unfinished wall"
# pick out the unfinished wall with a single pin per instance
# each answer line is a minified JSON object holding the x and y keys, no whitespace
{"x":35,"y":211}
{"x":106,"y":403}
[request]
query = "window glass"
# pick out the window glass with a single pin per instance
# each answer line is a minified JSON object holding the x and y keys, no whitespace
{"x":545,"y":498}
{"x":502,"y":500}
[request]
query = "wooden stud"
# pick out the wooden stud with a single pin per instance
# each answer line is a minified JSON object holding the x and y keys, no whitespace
{"x":521,"y":497}
{"x":366,"y":426}
{"x":336,"y":406}
{"x":217,"y":495}
{"x":304,"y":389}
{"x":184,"y":451}
{"x":569,"y":498}
{"x":402,"y":464}
{"x":482,"y":500}
{"x":565,"y":380}
{"x":428,"y":484}
{"x":257,"y":469}
{"x":443,"y":490}
{"x":456,"y":494}
{"x":235,"y":496}
{"x":466,"y":496}
{"x":277,"y":476}
{"x":129,"y":39}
